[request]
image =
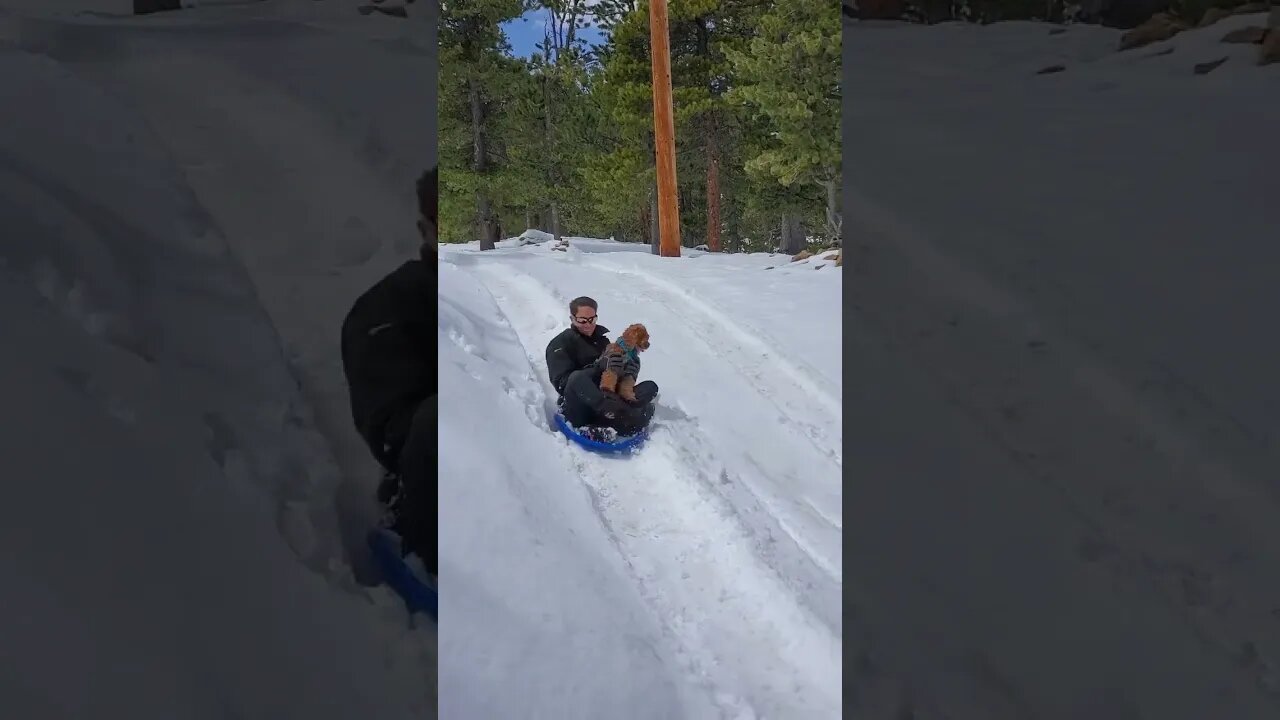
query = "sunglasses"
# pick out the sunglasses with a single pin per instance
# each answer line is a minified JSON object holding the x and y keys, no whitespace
{"x":585,"y":321}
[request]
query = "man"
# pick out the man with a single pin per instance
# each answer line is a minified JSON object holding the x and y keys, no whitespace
{"x":574,"y":368}
{"x":580,"y":345}
{"x":390,"y":363}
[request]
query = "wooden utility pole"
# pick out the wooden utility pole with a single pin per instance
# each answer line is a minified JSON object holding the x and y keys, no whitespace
{"x":664,"y":130}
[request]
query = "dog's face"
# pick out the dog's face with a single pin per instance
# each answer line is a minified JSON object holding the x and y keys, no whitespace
{"x":636,"y":336}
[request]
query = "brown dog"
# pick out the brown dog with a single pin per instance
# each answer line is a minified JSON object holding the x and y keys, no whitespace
{"x":622,"y":362}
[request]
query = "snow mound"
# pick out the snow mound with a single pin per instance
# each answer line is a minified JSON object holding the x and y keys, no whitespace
{"x":166,"y":500}
{"x":541,"y":620}
{"x":1067,"y":437}
{"x":719,"y":542}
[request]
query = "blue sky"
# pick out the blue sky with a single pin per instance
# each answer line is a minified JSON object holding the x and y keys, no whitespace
{"x":527,"y":31}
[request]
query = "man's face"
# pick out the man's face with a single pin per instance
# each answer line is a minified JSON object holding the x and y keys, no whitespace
{"x":585,"y":320}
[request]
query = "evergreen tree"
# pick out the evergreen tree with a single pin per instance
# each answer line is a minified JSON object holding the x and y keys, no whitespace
{"x":475,"y":72}
{"x":563,"y":140}
{"x":789,"y":76}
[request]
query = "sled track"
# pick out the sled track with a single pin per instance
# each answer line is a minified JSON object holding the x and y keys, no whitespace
{"x":740,"y":628}
{"x":790,"y":492}
{"x":759,"y":494}
{"x":767,"y":371}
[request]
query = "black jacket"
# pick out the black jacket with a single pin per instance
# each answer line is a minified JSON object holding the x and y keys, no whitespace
{"x":571,"y":350}
{"x":388,"y":359}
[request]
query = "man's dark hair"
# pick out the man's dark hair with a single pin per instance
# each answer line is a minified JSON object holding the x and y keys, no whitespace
{"x":428,"y":192}
{"x":583,"y":301}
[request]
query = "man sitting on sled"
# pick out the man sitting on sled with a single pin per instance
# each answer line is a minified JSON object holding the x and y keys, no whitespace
{"x":574,"y":366}
{"x":389,"y":358}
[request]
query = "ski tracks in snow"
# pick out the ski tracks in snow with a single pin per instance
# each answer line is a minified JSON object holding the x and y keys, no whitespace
{"x":753,"y":620}
{"x":801,"y":488}
{"x":802,"y":405}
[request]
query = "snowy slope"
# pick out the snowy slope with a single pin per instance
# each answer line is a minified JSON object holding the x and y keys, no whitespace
{"x":1064,"y":293}
{"x":717,"y":548}
{"x":173,"y":282}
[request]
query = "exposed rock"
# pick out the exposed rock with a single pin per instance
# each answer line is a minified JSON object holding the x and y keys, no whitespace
{"x":1212,"y":15}
{"x":1251,"y":8}
{"x":1208,"y":67}
{"x":145,"y":7}
{"x":1270,"y":51}
{"x":392,"y":10}
{"x":1159,"y":28}
{"x":1124,"y":14}
{"x":879,"y":9}
{"x":1128,"y":14}
{"x":802,"y":255}
{"x":1252,"y":35}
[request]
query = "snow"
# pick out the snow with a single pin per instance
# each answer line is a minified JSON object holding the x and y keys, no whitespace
{"x":190,"y":206}
{"x":1063,"y":293}
{"x":698,"y":578}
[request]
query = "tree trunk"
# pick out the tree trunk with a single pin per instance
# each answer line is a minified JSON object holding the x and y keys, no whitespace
{"x":655,"y":233}
{"x":792,"y":235}
{"x":664,"y":129}
{"x":1055,"y":11}
{"x":484,"y":213}
{"x":485,"y":227}
{"x":834,"y":220}
{"x":713,"y":191}
{"x":550,"y":137}
{"x":711,"y":131}
{"x":732,"y":240}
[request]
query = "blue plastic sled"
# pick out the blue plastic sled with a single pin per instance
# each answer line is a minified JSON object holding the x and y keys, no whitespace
{"x":621,"y":445}
{"x":417,"y":595}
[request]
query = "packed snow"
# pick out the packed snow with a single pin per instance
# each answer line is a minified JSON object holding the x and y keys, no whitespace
{"x":1065,"y":498}
{"x":189,"y":205}
{"x":698,"y":578}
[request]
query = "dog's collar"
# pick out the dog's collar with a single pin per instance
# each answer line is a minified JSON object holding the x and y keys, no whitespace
{"x":627,"y":350}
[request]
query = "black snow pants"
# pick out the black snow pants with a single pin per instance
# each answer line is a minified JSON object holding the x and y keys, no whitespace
{"x":415,"y":509}
{"x":586,"y":405}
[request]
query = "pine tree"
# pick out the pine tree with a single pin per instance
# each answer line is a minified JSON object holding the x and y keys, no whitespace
{"x":474,"y":68}
{"x":789,"y":76}
{"x":620,"y":177}
{"x":564,"y":141}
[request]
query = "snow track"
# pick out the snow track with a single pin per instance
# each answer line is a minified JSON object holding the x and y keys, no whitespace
{"x":799,"y":400}
{"x":748,"y":589}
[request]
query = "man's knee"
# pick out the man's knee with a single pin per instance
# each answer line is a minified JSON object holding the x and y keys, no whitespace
{"x":414,"y":454}
{"x":646,"y":391}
